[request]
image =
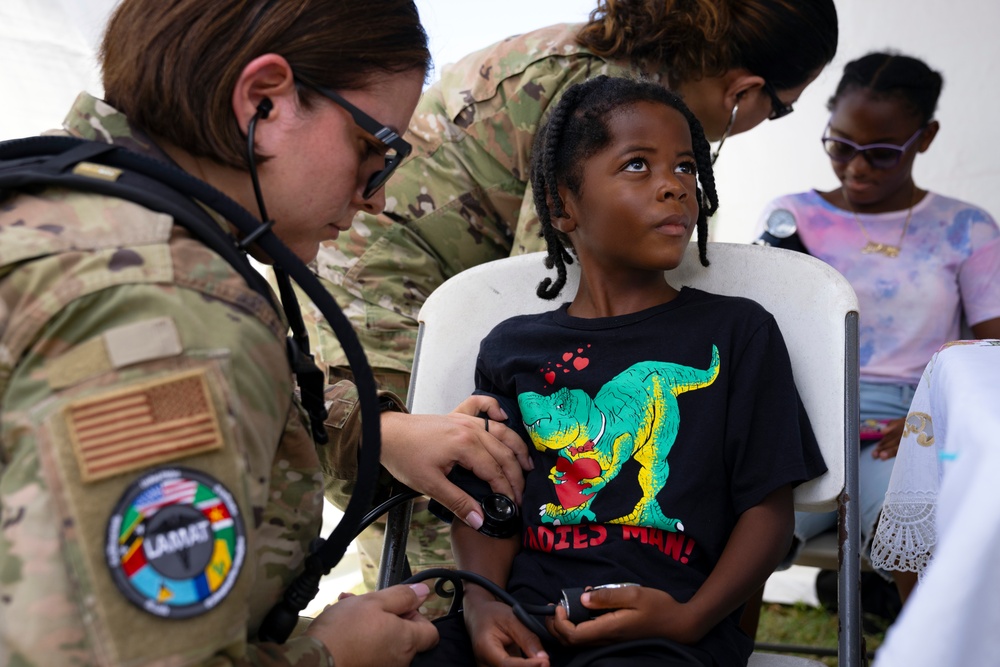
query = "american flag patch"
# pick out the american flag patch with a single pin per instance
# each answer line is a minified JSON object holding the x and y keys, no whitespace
{"x":143,"y":425}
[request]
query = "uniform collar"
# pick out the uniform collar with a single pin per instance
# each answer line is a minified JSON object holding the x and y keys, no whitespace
{"x":95,"y":119}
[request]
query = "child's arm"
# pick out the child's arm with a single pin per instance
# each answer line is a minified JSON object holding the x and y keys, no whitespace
{"x":491,"y":624}
{"x":760,"y":539}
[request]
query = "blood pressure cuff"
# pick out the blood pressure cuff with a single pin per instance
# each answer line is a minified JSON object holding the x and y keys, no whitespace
{"x":501,"y":517}
{"x":468,"y":482}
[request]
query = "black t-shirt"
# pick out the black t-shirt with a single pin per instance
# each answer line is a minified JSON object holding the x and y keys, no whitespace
{"x":652,"y":433}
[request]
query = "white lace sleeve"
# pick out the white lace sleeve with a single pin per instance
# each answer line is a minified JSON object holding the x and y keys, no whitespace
{"x":906,"y":534}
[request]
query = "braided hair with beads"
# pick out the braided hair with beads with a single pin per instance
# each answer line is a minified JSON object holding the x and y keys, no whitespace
{"x":578,"y":129}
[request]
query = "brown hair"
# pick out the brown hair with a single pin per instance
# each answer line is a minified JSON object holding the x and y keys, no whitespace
{"x":171,"y":65}
{"x":784,"y":41}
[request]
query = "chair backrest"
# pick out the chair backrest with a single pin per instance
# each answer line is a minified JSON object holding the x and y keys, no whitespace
{"x":816,"y":310}
{"x":812,"y":303}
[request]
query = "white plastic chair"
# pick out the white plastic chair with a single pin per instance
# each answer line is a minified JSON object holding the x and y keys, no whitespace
{"x":815,"y":308}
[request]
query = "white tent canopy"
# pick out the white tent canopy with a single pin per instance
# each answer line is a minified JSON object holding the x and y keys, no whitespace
{"x":47,"y":51}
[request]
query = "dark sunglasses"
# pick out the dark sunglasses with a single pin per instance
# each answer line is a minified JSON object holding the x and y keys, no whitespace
{"x":779,"y":109}
{"x":879,"y":156}
{"x":397,"y":148}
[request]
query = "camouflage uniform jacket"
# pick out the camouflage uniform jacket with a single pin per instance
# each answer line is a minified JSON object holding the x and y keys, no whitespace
{"x":461,"y":199}
{"x":158,"y":485}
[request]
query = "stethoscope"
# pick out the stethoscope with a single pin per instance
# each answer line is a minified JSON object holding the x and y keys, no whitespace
{"x":502,"y":519}
{"x":529,"y":614}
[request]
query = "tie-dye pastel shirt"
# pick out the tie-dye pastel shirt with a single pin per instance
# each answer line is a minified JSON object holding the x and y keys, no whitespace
{"x":948,"y":267}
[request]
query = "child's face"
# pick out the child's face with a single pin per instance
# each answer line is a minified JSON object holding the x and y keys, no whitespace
{"x":870,"y":120}
{"x":638,"y":203}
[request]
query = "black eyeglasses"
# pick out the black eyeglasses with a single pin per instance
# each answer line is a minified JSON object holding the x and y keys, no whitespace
{"x":879,"y":156}
{"x":397,"y":148}
{"x":779,"y":109}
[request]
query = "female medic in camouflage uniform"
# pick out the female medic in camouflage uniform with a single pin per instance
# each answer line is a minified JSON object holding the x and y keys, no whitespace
{"x":158,"y":484}
{"x":463,"y":197}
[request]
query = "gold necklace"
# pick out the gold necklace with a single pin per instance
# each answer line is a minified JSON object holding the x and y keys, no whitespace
{"x":891,"y":251}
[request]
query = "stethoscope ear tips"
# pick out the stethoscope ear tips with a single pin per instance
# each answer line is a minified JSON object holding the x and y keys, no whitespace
{"x":264,"y":107}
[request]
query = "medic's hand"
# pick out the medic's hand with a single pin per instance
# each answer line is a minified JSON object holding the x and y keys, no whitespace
{"x":420,"y":450}
{"x":887,"y":447}
{"x":638,"y":612}
{"x":498,"y":638}
{"x":380,"y":629}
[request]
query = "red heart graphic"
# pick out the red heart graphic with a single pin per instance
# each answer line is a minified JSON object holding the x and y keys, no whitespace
{"x":571,"y":493}
{"x":580,"y":363}
{"x":550,"y":377}
{"x":567,"y":356}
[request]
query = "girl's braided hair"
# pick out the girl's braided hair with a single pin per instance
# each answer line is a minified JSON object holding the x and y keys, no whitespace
{"x":576,"y":130}
{"x":893,"y":75}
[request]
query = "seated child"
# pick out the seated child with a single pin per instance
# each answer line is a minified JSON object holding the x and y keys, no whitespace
{"x":666,"y":437}
{"x":920,"y":262}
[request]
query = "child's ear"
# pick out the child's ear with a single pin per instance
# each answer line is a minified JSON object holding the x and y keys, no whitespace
{"x":564,"y":225}
{"x":929,"y":133}
{"x":567,"y":222}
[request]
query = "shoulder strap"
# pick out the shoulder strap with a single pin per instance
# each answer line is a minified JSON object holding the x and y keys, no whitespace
{"x":75,"y":164}
{"x":78,"y":168}
{"x":79,"y":164}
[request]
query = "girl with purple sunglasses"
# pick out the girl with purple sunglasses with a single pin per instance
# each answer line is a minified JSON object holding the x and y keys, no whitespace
{"x":922,"y":264}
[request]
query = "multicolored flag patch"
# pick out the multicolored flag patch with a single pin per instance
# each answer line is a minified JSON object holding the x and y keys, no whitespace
{"x":175,"y":542}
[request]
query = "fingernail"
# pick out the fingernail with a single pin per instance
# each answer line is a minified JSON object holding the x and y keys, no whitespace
{"x":585,"y":598}
{"x":420,"y":589}
{"x":474,"y":520}
{"x":504,"y":413}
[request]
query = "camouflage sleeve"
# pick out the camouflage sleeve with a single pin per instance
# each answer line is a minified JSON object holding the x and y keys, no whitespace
{"x":528,"y":237}
{"x":339,"y":457}
{"x":137,"y":480}
{"x":343,"y":425}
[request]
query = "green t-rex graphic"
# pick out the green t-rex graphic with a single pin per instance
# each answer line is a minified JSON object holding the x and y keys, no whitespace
{"x":634,"y":416}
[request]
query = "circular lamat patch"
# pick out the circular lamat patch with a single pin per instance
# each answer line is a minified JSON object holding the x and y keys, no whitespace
{"x":176,"y":542}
